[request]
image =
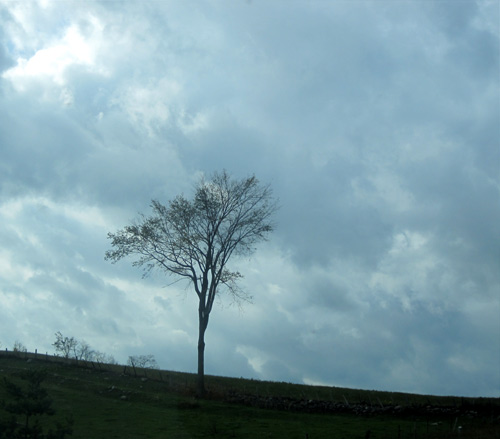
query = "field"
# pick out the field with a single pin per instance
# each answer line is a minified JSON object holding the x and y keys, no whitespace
{"x":110,"y":401}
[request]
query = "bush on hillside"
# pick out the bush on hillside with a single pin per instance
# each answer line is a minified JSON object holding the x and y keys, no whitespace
{"x":28,"y":404}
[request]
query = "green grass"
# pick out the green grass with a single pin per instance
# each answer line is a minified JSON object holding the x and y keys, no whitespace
{"x":105,"y":402}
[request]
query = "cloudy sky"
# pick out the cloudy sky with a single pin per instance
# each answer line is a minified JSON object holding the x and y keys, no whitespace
{"x":375,"y":123}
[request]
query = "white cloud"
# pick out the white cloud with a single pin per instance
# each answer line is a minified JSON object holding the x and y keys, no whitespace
{"x":47,"y":71}
{"x":256,"y":358}
{"x":51,"y":63}
{"x":87,"y":216}
{"x":15,"y":275}
{"x":150,"y":106}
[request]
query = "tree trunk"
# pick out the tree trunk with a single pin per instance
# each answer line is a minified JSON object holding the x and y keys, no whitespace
{"x":201,"y":366}
{"x":203,"y":322}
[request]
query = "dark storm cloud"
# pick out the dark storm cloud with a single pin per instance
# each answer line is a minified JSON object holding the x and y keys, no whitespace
{"x":376,"y":125}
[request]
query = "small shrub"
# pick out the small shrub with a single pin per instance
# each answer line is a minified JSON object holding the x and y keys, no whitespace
{"x":29,"y":402}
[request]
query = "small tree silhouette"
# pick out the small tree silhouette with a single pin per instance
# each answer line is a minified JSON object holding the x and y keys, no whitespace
{"x":65,"y":345}
{"x":19,"y":347}
{"x":30,"y":402}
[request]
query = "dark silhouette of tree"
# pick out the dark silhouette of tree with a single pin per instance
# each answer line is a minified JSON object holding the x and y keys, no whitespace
{"x":194,"y":239}
{"x":79,"y":350}
{"x":30,"y":402}
{"x":19,"y":347}
{"x":142,"y":361}
{"x":65,"y":345}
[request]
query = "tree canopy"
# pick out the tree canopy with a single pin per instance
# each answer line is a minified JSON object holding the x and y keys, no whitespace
{"x":195,"y":238}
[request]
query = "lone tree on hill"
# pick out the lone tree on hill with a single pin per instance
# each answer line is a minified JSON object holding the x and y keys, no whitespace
{"x":195,"y":239}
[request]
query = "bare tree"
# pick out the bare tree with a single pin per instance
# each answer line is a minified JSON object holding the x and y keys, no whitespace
{"x":84,"y":352}
{"x":65,"y":345}
{"x":19,"y":347}
{"x":102,"y":357}
{"x":143,"y":361}
{"x":195,"y":239}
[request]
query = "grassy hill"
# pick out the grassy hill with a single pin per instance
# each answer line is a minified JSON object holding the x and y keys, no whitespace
{"x":111,"y":401}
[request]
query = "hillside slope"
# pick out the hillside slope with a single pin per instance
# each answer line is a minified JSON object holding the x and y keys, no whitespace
{"x":117,"y":401}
